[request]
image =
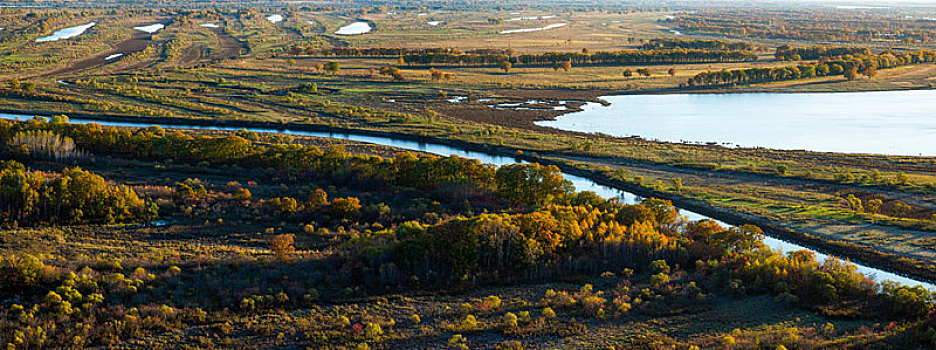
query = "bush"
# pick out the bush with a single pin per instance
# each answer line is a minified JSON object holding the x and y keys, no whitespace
{"x":509,"y":320}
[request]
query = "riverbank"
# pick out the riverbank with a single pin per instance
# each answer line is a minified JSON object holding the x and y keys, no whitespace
{"x":885,"y":261}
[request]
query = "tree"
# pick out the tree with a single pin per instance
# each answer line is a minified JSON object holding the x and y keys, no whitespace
{"x":285,"y":205}
{"x":331,"y":67}
{"x":242,"y":194}
{"x":851,"y":73}
{"x":318,"y":198}
{"x":346,"y":208}
{"x":869,"y":72}
{"x":854,"y":203}
{"x":566,"y":65}
{"x":505,"y":65}
{"x":530,"y":184}
{"x":671,"y":72}
{"x":628,"y":73}
{"x":282,"y":247}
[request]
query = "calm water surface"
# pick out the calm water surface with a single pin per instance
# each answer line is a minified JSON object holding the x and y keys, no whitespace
{"x":891,"y":122}
{"x":355,"y":28}
{"x":67,"y":33}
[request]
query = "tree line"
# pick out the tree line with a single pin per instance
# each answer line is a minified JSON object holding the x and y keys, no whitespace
{"x":583,"y":234}
{"x":789,"y":53}
{"x":494,"y":57}
{"x":603,"y":57}
{"x":380,"y":51}
{"x":849,"y":66}
{"x":428,"y":173}
{"x":74,"y":196}
{"x":806,"y":24}
{"x":658,"y":44}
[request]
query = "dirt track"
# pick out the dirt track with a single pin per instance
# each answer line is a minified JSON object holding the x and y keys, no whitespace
{"x":127,"y":47}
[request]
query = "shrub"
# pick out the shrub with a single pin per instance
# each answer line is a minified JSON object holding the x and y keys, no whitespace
{"x":548,"y":313}
{"x":372,"y":332}
{"x":509,"y":320}
{"x":491,"y":302}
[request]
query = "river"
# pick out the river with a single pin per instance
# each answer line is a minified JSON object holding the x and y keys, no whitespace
{"x":886,"y":122}
{"x":581,"y":183}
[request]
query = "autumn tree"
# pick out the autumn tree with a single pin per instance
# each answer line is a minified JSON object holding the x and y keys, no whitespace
{"x":505,"y":65}
{"x":566,"y":65}
{"x":851,"y":73}
{"x":671,"y":72}
{"x":345,"y":208}
{"x":242,"y":194}
{"x":282,"y":247}
{"x":869,"y":72}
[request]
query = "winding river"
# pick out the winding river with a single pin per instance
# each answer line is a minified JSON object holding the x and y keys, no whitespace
{"x":581,"y":183}
{"x":886,"y":122}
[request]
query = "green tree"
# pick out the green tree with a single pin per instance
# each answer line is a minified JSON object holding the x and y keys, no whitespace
{"x":530,"y":184}
{"x":628,"y":73}
{"x":331,"y":67}
{"x":851,"y":73}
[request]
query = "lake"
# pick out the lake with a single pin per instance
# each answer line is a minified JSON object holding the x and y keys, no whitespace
{"x":888,"y":122}
{"x":152,"y":28}
{"x":355,"y":28}
{"x":66,"y":33}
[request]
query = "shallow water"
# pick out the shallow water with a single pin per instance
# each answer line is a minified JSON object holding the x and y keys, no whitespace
{"x":580,"y":183}
{"x":275,"y":18}
{"x":527,"y":30}
{"x":108,"y":58}
{"x":209,"y":25}
{"x":891,"y":122}
{"x":67,"y":33}
{"x":355,"y":28}
{"x":152,"y":28}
